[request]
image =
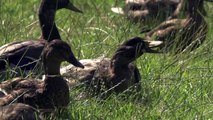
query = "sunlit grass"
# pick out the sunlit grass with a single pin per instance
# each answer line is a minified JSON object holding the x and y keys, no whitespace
{"x":173,"y":87}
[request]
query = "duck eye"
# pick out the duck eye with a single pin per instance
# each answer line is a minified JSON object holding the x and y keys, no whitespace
{"x":66,"y":51}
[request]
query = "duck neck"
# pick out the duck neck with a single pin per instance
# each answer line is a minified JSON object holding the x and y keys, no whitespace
{"x":196,"y":10}
{"x":116,"y":66}
{"x":47,"y":24}
{"x":52,"y":68}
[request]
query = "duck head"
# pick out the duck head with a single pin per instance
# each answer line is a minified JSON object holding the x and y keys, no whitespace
{"x":132,"y":49}
{"x":54,"y":54}
{"x":58,"y":4}
{"x":46,"y":15}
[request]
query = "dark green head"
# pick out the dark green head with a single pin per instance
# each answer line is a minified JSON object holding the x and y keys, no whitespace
{"x":134,"y":48}
{"x":56,"y":52}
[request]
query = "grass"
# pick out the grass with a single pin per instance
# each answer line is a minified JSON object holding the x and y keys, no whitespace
{"x":173,"y":87}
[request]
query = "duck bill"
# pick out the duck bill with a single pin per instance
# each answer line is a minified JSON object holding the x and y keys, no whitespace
{"x":153,"y":44}
{"x":74,"y":61}
{"x":117,"y":10}
{"x":70,"y":6}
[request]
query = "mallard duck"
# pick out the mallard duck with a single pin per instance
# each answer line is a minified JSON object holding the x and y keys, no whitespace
{"x":115,"y":74}
{"x":50,"y":93}
{"x":154,"y":10}
{"x":183,"y":34}
{"x":19,"y":111}
{"x":25,"y":54}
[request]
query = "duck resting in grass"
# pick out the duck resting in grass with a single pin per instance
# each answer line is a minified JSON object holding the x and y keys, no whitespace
{"x":182,"y":34}
{"x":24,"y":55}
{"x":19,"y":111}
{"x":148,"y":10}
{"x":50,"y":93}
{"x":116,"y":74}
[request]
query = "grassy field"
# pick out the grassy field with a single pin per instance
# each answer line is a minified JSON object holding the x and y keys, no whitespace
{"x":173,"y":87}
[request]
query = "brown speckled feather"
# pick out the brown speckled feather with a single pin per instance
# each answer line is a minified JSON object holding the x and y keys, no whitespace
{"x":19,"y":111}
{"x":151,"y":10}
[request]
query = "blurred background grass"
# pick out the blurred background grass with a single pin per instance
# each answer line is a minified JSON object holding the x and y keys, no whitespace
{"x":173,"y":86}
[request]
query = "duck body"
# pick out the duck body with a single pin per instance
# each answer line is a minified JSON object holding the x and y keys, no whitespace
{"x":50,"y":93}
{"x":182,"y":34}
{"x":71,"y":72}
{"x":99,"y":70}
{"x":18,"y":111}
{"x":111,"y":75}
{"x":36,"y":92}
{"x":25,"y":55}
{"x":118,"y":81}
{"x":141,"y":10}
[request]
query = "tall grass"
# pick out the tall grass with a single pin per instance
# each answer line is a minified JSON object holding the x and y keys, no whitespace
{"x":173,"y":87}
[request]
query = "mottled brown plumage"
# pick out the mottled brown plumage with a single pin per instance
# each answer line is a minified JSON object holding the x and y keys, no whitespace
{"x":183,"y":34}
{"x":19,"y":111}
{"x":150,"y":10}
{"x":115,"y":74}
{"x":53,"y":91}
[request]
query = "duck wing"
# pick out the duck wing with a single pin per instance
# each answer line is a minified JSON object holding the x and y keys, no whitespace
{"x":16,"y":88}
{"x":77,"y":75}
{"x":19,"y":111}
{"x":21,"y":53}
{"x":7,"y":86}
{"x":167,"y":28}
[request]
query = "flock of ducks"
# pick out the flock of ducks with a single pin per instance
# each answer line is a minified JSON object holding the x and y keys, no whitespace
{"x":183,"y":28}
{"x":183,"y":34}
{"x":18,"y":55}
{"x":118,"y":73}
